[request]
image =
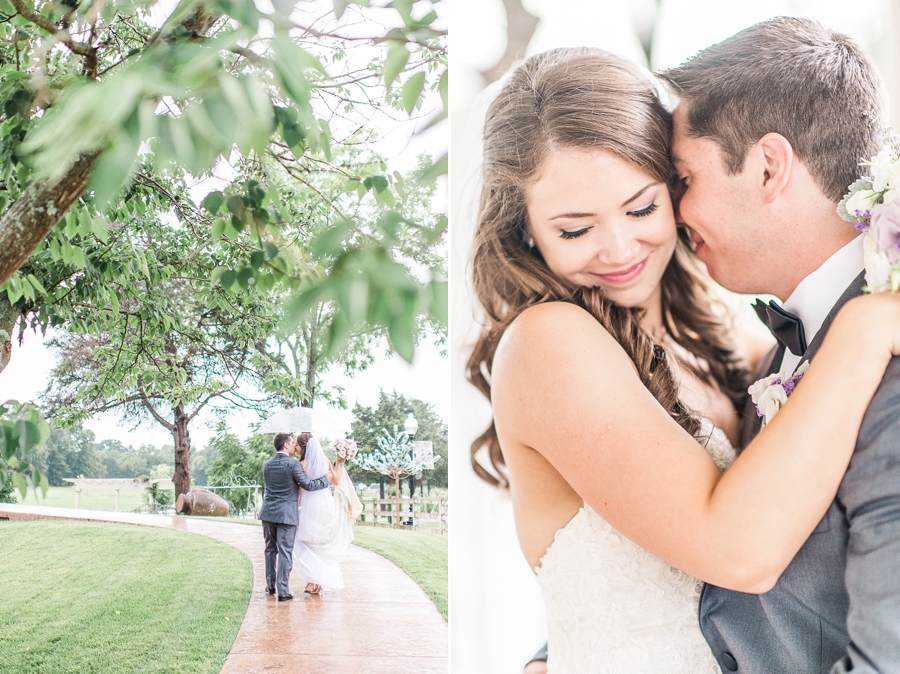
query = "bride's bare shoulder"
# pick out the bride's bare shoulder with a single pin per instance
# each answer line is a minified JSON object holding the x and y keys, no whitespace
{"x":555,"y":330}
{"x":550,"y":321}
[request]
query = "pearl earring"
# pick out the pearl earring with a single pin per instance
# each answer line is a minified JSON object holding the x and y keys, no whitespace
{"x":531,"y":242}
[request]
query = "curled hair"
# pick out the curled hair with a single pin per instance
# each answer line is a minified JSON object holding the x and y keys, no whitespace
{"x":588,"y":99}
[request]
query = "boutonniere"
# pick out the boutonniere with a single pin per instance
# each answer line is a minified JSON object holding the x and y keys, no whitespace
{"x":771,"y":393}
{"x":872,"y":204}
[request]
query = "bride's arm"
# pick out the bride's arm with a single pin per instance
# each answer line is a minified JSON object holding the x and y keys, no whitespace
{"x":562,"y":386}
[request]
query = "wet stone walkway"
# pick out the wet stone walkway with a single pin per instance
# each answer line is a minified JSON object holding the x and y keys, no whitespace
{"x":381,"y":622}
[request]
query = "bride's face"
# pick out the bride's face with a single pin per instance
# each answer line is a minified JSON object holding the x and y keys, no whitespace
{"x":600,"y":221}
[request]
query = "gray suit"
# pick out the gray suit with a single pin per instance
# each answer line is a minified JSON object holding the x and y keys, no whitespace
{"x":283,"y":477}
{"x":836,"y":608}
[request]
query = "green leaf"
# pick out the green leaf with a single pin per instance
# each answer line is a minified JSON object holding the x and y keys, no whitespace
{"x":443,"y":86}
{"x":401,"y":333}
{"x":244,"y":277}
{"x":339,"y":7}
{"x":37,"y":284}
{"x":257,"y":258}
{"x":218,"y":227}
{"x":212,"y":202}
{"x":439,"y":168}
{"x":113,"y":170}
{"x":412,"y":90}
{"x":329,"y":242}
{"x":397,"y":58}
{"x":226,"y":280}
{"x":217,"y":274}
{"x":271,"y":250}
{"x":19,"y":481}
{"x":380,"y":183}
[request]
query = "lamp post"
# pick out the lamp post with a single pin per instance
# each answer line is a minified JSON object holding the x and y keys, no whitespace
{"x":411,"y":426}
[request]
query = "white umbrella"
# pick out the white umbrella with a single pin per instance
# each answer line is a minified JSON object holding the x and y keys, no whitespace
{"x":319,"y":422}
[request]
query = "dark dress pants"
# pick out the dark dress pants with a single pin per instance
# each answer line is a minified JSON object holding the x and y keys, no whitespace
{"x":279,"y":545}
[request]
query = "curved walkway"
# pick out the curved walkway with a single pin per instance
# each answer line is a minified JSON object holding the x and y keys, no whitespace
{"x":381,"y":622}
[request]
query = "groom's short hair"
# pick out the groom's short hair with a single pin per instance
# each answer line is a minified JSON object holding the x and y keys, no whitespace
{"x":790,"y":76}
{"x":280,"y":439}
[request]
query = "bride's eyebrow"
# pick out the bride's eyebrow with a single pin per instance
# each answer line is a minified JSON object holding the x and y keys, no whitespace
{"x":639,"y":193}
{"x":572,"y":215}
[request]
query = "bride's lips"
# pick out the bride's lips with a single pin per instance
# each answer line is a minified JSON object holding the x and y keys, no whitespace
{"x":625,"y":275}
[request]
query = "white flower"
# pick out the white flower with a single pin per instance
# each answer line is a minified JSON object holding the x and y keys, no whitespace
{"x":885,"y":170}
{"x":862,"y":201}
{"x":769,"y":394}
{"x":878,"y":266}
{"x":890,"y":195}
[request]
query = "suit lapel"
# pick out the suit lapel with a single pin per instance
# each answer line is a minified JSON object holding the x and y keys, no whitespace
{"x":751,"y":422}
{"x":853,"y":290}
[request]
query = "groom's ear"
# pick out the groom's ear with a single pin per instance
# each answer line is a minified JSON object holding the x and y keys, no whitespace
{"x":776,"y":158}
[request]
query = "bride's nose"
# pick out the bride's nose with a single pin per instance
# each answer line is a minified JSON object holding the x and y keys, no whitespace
{"x":617,"y":247}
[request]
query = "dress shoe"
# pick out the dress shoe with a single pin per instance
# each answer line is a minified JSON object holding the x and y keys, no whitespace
{"x":270,"y":590}
{"x":285,"y":597}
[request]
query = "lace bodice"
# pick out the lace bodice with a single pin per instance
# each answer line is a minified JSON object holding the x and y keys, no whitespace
{"x":613,"y":607}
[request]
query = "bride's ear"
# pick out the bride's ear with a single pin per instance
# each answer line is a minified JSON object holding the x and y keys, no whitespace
{"x":776,"y":157}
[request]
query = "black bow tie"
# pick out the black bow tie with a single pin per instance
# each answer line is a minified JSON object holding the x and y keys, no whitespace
{"x":787,"y":328}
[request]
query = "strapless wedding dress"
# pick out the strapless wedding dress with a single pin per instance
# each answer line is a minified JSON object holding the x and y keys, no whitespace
{"x":613,"y":608}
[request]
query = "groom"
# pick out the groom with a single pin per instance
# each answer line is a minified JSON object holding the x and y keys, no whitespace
{"x":769,"y":132}
{"x":283,"y":477}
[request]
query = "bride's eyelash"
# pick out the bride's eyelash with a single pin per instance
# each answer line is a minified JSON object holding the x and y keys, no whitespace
{"x":573,"y":235}
{"x":644,"y":212}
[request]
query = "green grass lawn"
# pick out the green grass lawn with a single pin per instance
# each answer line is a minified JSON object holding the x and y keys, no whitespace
{"x":112,"y":598}
{"x":91,"y":499}
{"x":422,"y":556}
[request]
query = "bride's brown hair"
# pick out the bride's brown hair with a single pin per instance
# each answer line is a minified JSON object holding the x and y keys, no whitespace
{"x":589,"y":99}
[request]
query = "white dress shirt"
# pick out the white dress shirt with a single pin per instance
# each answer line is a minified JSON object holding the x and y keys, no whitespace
{"x":816,"y":295}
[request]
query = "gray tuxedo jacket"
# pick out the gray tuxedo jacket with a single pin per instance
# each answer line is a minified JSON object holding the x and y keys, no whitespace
{"x":836,"y":608}
{"x":283,"y":477}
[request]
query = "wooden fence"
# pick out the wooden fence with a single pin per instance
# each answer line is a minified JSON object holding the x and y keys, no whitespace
{"x":416,"y":514}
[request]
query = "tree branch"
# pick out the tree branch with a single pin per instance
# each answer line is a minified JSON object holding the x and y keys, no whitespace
{"x":146,"y":401}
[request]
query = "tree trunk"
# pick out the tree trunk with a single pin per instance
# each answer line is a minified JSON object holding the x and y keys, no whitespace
{"x":182,"y":478}
{"x":312,"y":358}
{"x":42,"y":205}
{"x":397,"y":500}
{"x":8,"y":317}
{"x":36,"y":212}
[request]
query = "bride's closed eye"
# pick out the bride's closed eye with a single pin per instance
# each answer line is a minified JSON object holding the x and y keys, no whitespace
{"x":573,"y":235}
{"x":644,"y":212}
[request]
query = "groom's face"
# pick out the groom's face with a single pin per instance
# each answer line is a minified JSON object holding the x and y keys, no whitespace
{"x":719,"y":209}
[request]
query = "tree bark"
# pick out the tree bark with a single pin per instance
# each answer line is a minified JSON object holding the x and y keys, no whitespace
{"x":8,"y":317}
{"x":43,"y":204}
{"x":182,"y":477}
{"x":37,"y":211}
{"x":312,"y":358}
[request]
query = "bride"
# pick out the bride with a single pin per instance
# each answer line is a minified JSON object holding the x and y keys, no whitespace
{"x":614,"y":380}
{"x":325,"y":526}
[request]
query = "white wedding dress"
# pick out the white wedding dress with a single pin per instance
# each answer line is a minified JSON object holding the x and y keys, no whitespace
{"x":325,"y":526}
{"x":613,"y":608}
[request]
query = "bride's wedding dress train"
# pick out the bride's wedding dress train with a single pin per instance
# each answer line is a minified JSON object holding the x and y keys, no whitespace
{"x":325,"y":527}
{"x":614,"y":608}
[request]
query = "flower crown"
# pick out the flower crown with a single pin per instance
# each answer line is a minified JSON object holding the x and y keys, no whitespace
{"x":873,"y":205}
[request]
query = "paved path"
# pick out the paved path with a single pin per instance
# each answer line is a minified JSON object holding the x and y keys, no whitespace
{"x":382,"y":622}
